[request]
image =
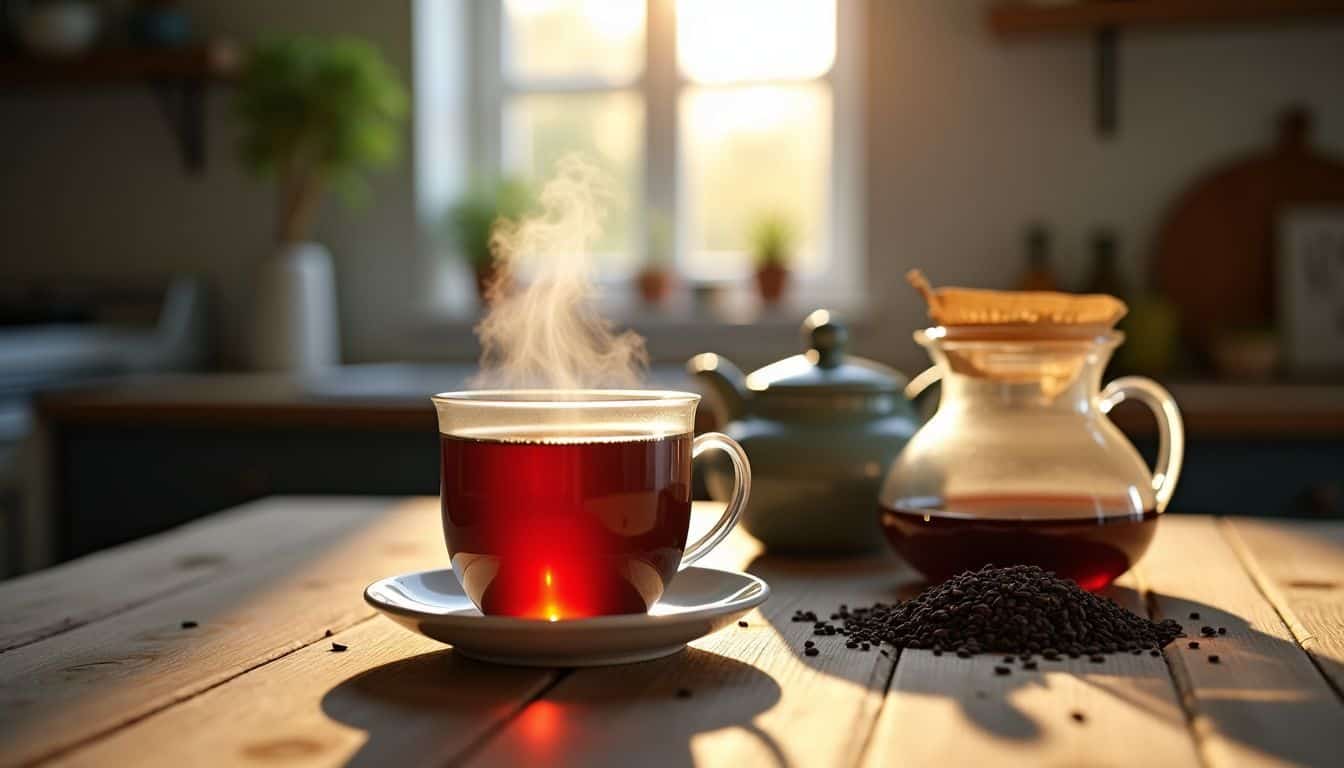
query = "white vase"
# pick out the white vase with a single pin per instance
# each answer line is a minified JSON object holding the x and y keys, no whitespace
{"x":295,"y":322}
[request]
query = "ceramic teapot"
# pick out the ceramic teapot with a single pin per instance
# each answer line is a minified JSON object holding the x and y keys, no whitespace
{"x":820,"y":429}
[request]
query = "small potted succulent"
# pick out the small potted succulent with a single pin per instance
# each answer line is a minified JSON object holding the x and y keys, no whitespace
{"x":317,"y":113}
{"x":471,"y":224}
{"x":656,"y":279}
{"x":772,"y":243}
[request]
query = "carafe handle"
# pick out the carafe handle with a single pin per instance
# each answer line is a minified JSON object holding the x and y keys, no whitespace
{"x":736,"y":502}
{"x":1171,"y":431}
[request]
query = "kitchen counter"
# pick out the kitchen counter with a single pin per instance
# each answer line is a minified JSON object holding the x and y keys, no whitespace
{"x":98,"y":668}
{"x":394,"y":395}
{"x":174,"y":448}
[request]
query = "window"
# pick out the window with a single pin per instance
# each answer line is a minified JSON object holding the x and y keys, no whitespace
{"x":571,"y":73}
{"x":707,"y":115}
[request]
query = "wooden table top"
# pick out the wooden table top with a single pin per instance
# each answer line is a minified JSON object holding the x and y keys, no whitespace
{"x":97,"y":668}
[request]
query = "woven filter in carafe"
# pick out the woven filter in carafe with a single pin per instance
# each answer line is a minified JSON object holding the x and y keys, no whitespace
{"x":1053,"y":332}
{"x":1036,"y":309}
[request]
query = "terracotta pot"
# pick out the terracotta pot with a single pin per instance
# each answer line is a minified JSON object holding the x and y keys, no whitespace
{"x":486,"y":275}
{"x":1252,"y":356}
{"x":655,"y":285}
{"x":771,"y":280}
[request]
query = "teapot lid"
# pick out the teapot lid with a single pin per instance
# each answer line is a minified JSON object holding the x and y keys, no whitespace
{"x":825,"y":369}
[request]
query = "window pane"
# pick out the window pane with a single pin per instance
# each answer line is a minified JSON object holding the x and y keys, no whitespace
{"x":573,"y":39}
{"x":720,"y":41}
{"x":748,"y":152}
{"x":606,"y":128}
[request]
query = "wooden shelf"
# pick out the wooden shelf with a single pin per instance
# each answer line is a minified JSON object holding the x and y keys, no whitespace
{"x":178,"y":76}
{"x":217,"y":60}
{"x":1029,"y":20}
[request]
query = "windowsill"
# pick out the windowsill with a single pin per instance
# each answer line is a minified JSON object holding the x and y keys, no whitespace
{"x":736,"y":325}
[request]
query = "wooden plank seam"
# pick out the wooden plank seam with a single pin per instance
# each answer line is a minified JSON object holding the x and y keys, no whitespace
{"x":69,"y":625}
{"x":868,"y":738}
{"x":174,"y":701}
{"x":482,"y":741}
{"x":1200,"y":725}
{"x":1271,"y":592}
{"x":1265,"y":584}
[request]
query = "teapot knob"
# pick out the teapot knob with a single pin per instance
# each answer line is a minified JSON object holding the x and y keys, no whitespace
{"x":826,"y":335}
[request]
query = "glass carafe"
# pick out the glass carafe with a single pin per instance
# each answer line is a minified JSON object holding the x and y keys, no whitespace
{"x":1020,"y":463}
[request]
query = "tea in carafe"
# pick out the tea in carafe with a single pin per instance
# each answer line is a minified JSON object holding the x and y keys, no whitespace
{"x":1071,"y":536}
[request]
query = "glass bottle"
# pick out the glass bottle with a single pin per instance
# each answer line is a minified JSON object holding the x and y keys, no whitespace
{"x":1040,"y":272}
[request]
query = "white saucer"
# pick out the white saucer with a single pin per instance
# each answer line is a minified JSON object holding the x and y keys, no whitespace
{"x":699,"y":601}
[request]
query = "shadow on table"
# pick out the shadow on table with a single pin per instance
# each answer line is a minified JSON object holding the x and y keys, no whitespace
{"x":1264,"y":693}
{"x":1242,"y":699}
{"x":404,"y":704}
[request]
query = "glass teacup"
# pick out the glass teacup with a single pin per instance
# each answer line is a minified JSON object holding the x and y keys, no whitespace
{"x":561,"y":504}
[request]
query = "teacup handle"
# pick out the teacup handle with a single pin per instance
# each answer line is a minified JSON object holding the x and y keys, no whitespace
{"x":1170,"y":429}
{"x":738,"y":499}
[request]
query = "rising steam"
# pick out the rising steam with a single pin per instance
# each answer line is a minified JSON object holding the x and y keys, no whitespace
{"x":549,"y":334}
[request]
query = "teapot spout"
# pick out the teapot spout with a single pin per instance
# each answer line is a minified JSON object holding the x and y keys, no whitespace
{"x":724,"y":382}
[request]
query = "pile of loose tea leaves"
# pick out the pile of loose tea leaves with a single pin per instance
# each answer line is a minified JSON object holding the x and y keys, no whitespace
{"x":1019,"y":609}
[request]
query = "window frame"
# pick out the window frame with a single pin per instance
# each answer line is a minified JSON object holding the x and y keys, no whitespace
{"x":842,"y":282}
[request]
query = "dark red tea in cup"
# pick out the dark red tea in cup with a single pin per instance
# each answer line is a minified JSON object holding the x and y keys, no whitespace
{"x":558,"y":528}
{"x":567,"y":504}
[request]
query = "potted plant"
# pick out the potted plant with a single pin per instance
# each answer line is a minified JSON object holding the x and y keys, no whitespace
{"x":317,"y":113}
{"x":772,"y":242}
{"x":656,"y":277}
{"x":472,"y":225}
{"x":55,"y":28}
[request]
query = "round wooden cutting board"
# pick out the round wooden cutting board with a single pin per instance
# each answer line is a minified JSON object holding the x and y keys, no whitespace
{"x":1215,"y":250}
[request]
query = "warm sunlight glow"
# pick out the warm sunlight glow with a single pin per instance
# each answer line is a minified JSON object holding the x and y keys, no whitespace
{"x":608,"y":129}
{"x":551,"y":610}
{"x":565,"y":40}
{"x":529,"y":9}
{"x":747,"y":152}
{"x":542,"y":728}
{"x":721,"y":41}
{"x":789,"y":366}
{"x":614,"y":19}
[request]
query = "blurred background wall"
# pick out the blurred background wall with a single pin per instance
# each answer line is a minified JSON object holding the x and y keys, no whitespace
{"x":969,"y":137}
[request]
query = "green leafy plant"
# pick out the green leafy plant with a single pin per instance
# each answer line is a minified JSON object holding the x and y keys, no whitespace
{"x":772,"y":240}
{"x":317,"y":112}
{"x":471,"y":222}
